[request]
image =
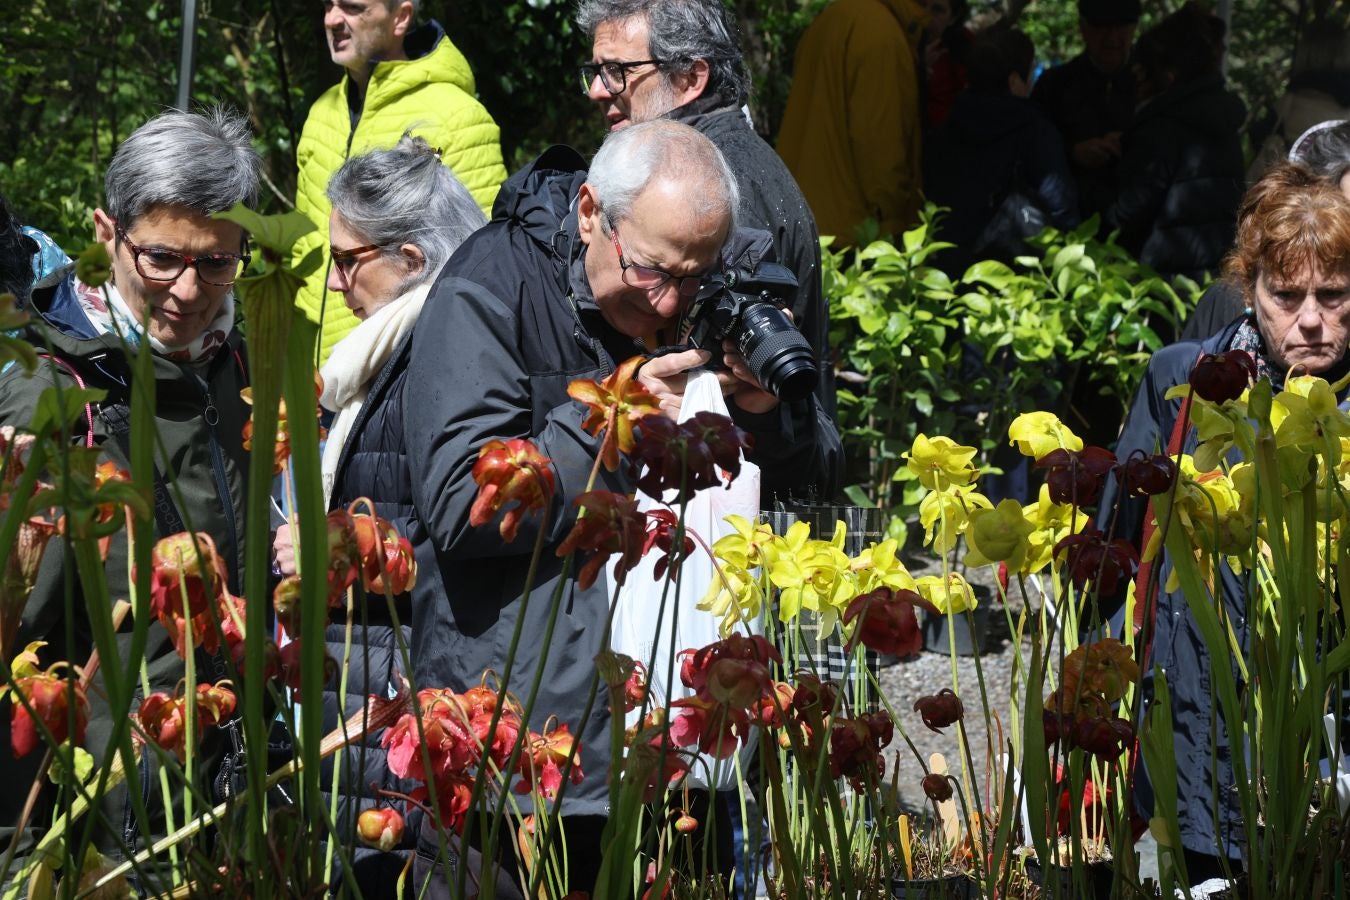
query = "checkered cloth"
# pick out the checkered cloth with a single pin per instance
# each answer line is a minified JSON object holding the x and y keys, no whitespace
{"x":824,"y":654}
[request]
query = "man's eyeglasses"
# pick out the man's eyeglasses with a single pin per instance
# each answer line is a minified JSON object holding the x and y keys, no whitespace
{"x":156,"y":264}
{"x":345,"y":260}
{"x":648,"y":278}
{"x":614,"y":74}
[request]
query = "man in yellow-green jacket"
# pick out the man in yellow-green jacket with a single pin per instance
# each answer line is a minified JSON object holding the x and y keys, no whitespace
{"x":399,"y":77}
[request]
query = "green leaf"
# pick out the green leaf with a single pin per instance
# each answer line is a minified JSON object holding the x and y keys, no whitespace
{"x":277,"y":233}
{"x":1068,"y":256}
{"x":858,"y":496}
{"x":84,"y":767}
{"x":914,"y":238}
{"x":58,"y":410}
{"x":991,"y":272}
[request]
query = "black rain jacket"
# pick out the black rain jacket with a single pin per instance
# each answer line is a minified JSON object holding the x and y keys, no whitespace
{"x":509,"y":324}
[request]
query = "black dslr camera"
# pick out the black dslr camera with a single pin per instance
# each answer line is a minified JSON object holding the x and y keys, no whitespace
{"x":747,"y":307}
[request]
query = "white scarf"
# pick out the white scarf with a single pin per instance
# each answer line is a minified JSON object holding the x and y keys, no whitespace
{"x":353,"y":365}
{"x":115,"y":316}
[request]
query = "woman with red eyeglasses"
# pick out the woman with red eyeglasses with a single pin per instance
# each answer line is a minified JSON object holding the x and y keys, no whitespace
{"x":169,"y":290}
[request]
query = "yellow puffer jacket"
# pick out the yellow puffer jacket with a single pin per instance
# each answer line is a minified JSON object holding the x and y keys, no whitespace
{"x":850,"y":133}
{"x":432,"y":93}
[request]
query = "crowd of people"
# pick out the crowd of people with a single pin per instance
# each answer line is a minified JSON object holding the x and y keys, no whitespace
{"x":442,"y":330}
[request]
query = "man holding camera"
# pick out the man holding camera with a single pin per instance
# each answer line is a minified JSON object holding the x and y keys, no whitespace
{"x":680,"y":60}
{"x":577,"y":272}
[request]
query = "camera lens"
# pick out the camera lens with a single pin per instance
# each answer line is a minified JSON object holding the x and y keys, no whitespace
{"x":776,"y":352}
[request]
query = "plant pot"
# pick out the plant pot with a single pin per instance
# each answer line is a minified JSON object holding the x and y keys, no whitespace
{"x":1098,"y":875}
{"x":935,"y":628}
{"x":948,"y":887}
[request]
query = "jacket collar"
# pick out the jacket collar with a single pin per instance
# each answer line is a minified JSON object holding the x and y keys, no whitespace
{"x":65,"y":324}
{"x":698,"y":111}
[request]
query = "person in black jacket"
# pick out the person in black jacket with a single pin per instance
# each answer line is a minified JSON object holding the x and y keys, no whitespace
{"x":1181,"y":172}
{"x":997,"y":148}
{"x":1291,"y":264}
{"x":397,"y":216}
{"x":1090,"y":99}
{"x":577,"y":272}
{"x":701,"y":80}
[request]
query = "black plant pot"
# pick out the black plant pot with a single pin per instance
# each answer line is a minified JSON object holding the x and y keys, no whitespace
{"x":1099,"y":876}
{"x":948,"y":887}
{"x":935,"y":628}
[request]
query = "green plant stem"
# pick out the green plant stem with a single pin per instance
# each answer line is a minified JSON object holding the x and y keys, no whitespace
{"x":489,"y":848}
{"x":336,"y":783}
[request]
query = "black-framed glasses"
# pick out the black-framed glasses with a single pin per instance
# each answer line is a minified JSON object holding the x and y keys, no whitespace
{"x":649,"y":278}
{"x":345,"y":260}
{"x":158,"y":264}
{"x":613,"y":74}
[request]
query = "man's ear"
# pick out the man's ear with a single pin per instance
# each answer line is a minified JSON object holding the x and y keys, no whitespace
{"x":690,"y":85}
{"x":588,"y":214}
{"x":404,"y":19}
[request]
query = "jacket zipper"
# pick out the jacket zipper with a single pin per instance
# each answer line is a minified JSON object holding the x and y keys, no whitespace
{"x":212,"y":417}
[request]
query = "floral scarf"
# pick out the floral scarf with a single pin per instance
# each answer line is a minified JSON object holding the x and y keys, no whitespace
{"x":1248,"y":338}
{"x":110,"y":314}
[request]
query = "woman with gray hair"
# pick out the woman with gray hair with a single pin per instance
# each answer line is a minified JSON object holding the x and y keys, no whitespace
{"x":170,"y":290}
{"x":397,"y":216}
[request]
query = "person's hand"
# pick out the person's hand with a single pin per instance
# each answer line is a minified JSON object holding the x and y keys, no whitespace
{"x":1095,"y":153}
{"x":741,"y":385}
{"x":283,"y":551}
{"x":665,"y":376}
{"x":932,"y":52}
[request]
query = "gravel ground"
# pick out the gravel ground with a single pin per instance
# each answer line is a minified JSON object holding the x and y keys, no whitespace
{"x":930,"y":671}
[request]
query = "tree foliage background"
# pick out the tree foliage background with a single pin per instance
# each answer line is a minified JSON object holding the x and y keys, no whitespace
{"x":76,"y":76}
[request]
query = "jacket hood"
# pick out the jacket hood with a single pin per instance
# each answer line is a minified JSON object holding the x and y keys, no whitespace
{"x":1205,"y":105}
{"x":432,"y":59}
{"x":539,"y":197}
{"x":989,"y":118}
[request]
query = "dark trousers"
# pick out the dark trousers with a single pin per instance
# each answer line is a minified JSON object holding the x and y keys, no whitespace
{"x":584,"y":851}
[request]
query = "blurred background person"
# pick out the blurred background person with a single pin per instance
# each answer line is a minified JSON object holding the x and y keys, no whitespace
{"x":397,"y":75}
{"x":16,"y":256}
{"x":1318,"y":91}
{"x":851,"y":133}
{"x":1091,"y":98}
{"x":998,"y":164}
{"x":1181,"y":173}
{"x":946,"y":40}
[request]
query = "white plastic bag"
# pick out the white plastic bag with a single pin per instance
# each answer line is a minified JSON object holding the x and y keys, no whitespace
{"x":635,"y":618}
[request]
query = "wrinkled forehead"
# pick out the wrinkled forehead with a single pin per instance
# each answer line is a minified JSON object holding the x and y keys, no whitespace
{"x":676,"y":216}
{"x":1290,"y":267}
